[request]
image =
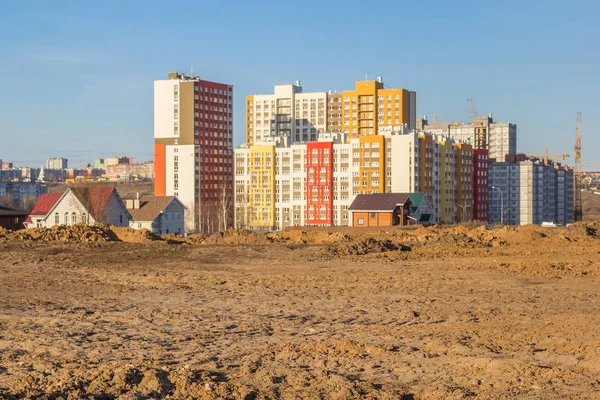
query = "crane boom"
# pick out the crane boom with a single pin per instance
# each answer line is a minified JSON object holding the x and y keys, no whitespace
{"x":472,"y":108}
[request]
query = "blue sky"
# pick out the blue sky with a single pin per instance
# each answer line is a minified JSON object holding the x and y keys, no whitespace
{"x":76,"y":77}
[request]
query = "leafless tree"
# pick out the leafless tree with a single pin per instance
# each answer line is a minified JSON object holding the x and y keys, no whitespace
{"x":224,"y":205}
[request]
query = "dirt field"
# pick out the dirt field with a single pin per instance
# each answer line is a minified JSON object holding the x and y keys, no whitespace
{"x":410,"y":314}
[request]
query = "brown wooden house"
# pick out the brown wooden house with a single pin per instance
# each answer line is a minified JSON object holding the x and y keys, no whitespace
{"x":12,"y":219}
{"x":380,"y":209}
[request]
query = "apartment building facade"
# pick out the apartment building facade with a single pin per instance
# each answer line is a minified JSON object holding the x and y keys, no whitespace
{"x":480,"y":184}
{"x":278,"y":184}
{"x":499,"y":138}
{"x":301,"y":116}
{"x":193,"y":144}
{"x":57,"y":163}
{"x":530,"y":192}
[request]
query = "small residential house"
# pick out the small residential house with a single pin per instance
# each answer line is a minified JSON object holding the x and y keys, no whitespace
{"x":12,"y":219}
{"x":158,"y":214}
{"x":421,"y":210}
{"x":43,"y":206}
{"x":88,"y":205}
{"x":380,"y":209}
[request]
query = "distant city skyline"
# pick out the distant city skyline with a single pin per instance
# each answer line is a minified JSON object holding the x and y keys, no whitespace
{"x":76,"y":80}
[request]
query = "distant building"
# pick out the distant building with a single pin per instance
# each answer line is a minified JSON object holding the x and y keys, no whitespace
{"x":19,"y":193}
{"x":529,"y":192}
{"x":118,"y":160}
{"x":126,"y":171}
{"x":159,"y":214}
{"x":99,"y":163}
{"x":193,"y":144}
{"x":57,"y":163}
{"x":6,"y":165}
{"x":86,"y":205}
{"x":499,"y":138}
{"x":480,"y":184}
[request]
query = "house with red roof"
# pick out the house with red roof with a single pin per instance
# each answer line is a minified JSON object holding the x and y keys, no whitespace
{"x":41,"y":209}
{"x":87,"y":205}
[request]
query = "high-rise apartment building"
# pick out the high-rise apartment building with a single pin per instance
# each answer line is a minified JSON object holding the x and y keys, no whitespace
{"x":57,"y":163}
{"x":301,"y":116}
{"x":530,"y":192}
{"x":278,"y":184}
{"x":193,"y":145}
{"x":499,"y":138}
{"x":480,"y":184}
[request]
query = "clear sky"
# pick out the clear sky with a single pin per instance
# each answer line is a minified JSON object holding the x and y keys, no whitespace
{"x":76,"y":77}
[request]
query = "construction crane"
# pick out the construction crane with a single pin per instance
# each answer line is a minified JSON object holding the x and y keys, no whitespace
{"x":472,"y":108}
{"x":578,"y":212}
{"x":546,"y":157}
{"x":434,"y":118}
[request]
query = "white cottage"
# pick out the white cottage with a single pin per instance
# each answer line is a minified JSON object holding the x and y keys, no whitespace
{"x":158,"y":214}
{"x":87,"y":205}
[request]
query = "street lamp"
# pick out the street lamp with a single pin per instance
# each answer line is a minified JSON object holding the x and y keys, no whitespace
{"x":501,"y":204}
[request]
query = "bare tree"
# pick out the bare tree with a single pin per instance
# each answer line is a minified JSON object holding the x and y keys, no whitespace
{"x":224,"y":207}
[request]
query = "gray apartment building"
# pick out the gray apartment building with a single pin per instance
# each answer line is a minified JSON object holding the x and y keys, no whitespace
{"x":529,"y":192}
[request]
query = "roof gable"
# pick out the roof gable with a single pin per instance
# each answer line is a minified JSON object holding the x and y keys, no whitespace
{"x":94,"y":199}
{"x":45,"y":203}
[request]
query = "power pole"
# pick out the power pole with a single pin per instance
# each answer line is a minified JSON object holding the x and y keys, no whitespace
{"x":578,"y":212}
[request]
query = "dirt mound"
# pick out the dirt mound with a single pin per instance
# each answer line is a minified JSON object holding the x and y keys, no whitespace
{"x":67,"y":233}
{"x":366,"y":246}
{"x":582,"y":231}
{"x":308,"y":237}
{"x":237,"y":236}
{"x":130,"y":235}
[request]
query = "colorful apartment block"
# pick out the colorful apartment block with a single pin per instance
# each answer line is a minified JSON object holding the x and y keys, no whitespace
{"x":319,"y":183}
{"x":193,"y":144}
{"x":316,"y":182}
{"x":301,"y":116}
{"x":480,"y":184}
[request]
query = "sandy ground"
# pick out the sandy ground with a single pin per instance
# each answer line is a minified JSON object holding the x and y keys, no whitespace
{"x":427,"y":314}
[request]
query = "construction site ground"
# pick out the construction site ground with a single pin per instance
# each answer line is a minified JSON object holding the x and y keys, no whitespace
{"x":426,"y":313}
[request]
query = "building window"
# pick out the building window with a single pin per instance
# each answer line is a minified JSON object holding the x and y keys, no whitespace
{"x":120,"y":218}
{"x":56,"y":219}
{"x":84,"y":218}
{"x":73,"y":218}
{"x":373,"y":215}
{"x":361,"y":221}
{"x":66,"y":218}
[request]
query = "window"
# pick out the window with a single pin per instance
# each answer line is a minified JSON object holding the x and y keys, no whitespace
{"x":120,"y":218}
{"x":84,"y":218}
{"x":361,"y":221}
{"x":373,"y":215}
{"x":66,"y":218}
{"x":56,"y":219}
{"x":73,"y":218}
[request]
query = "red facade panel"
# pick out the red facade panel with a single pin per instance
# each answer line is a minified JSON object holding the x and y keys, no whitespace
{"x":480,"y":184}
{"x":214,"y":137}
{"x":319,"y":183}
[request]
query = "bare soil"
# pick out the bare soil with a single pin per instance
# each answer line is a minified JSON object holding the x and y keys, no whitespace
{"x":427,"y":313}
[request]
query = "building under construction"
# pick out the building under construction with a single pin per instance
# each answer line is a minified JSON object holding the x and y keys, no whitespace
{"x":500,"y":138}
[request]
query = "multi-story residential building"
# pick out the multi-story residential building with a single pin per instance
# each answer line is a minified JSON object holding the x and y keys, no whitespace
{"x":193,"y":145}
{"x":279,"y":184}
{"x":530,"y":192}
{"x":499,"y":138}
{"x":290,"y":112}
{"x":141,"y":171}
{"x":480,"y":184}
{"x":57,"y":163}
{"x":20,"y":194}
